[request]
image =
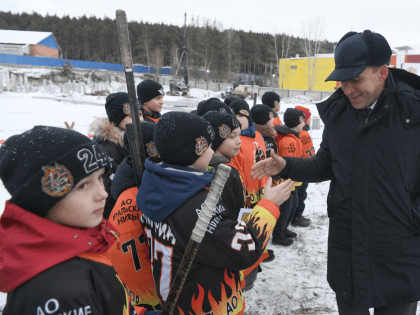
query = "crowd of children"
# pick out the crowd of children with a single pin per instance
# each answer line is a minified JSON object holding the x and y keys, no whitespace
{"x":81,"y":233}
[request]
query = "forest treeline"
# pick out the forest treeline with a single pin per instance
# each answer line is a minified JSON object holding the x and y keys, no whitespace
{"x":210,"y":46}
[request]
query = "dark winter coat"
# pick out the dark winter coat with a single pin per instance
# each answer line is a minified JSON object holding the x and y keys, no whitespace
{"x":373,"y":202}
{"x":110,"y":137}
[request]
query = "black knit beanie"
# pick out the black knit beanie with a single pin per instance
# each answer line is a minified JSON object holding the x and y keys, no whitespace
{"x":147,"y":130}
{"x":200,"y":104}
{"x":148,"y":89}
{"x":293,"y":117}
{"x":269,"y":98}
{"x":241,"y":107}
{"x":181,"y":138}
{"x":261,"y":114}
{"x":41,"y":166}
{"x":223,"y":124}
{"x":213,"y":104}
{"x":117,"y":107}
{"x":228,"y":100}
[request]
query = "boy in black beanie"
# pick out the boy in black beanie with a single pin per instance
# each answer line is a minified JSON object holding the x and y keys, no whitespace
{"x":171,"y":197}
{"x":226,"y":146}
{"x":263,"y":118}
{"x":125,"y":216}
{"x":272,"y":100}
{"x":289,"y":145}
{"x":150,"y":95}
{"x":109,"y":133}
{"x":213,"y":104}
{"x":53,"y":237}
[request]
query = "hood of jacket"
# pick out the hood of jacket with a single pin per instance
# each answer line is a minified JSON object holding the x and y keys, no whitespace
{"x":399,"y":83}
{"x":266,"y":131}
{"x":124,"y":178}
{"x":166,"y":187}
{"x":218,"y":159}
{"x":104,"y":130}
{"x":30,"y":244}
{"x":284,"y":130}
{"x":250,"y":132}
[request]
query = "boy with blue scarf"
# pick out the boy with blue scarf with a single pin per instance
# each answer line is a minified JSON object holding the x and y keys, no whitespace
{"x":171,"y":197}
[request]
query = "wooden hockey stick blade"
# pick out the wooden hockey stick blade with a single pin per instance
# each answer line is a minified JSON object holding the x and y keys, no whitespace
{"x":197,"y":235}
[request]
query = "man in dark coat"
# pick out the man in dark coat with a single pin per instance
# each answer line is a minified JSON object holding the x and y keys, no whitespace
{"x":370,"y":151}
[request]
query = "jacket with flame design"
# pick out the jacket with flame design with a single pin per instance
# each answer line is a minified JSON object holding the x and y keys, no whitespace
{"x":252,"y":151}
{"x":171,"y":199}
{"x":130,"y":257}
{"x":48,"y":268}
{"x":234,"y":192}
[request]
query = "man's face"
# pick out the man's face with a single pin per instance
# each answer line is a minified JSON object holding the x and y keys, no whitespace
{"x":365,"y":89}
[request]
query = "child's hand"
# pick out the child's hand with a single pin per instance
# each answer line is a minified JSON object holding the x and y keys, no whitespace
{"x":280,"y":193}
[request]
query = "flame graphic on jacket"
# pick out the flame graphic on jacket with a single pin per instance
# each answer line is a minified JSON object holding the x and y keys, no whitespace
{"x":262,"y":221}
{"x":231,"y":302}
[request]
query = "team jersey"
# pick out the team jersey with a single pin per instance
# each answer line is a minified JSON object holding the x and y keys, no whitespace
{"x":234,"y":192}
{"x":65,"y":270}
{"x":83,"y":285}
{"x":131,"y":257}
{"x":290,"y":145}
{"x":252,"y":151}
{"x":213,"y":285}
{"x":308,"y":150}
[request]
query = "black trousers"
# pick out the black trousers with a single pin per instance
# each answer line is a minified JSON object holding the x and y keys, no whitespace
{"x":345,"y":308}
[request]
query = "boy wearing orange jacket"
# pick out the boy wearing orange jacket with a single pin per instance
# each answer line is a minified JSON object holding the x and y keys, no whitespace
{"x":252,"y":151}
{"x":289,"y":145}
{"x":308,"y":151}
{"x":272,"y":100}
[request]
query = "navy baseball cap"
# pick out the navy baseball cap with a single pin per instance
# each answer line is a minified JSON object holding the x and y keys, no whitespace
{"x":356,"y":51}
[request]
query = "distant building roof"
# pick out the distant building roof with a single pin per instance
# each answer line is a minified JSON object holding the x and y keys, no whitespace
{"x":28,"y":37}
{"x":403,"y":48}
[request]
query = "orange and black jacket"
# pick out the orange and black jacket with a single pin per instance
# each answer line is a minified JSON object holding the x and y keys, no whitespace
{"x":234,"y":192}
{"x":252,"y":151}
{"x":289,"y":144}
{"x":131,"y":258}
{"x":172,"y":199}
{"x":65,"y":270}
{"x":308,"y":150}
{"x":151,"y":116}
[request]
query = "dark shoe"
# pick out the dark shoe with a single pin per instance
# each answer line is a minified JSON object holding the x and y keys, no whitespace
{"x":299,"y":222}
{"x":250,"y":279}
{"x":282,"y":241}
{"x":271,"y":256}
{"x":305,"y":219}
{"x":289,"y":233}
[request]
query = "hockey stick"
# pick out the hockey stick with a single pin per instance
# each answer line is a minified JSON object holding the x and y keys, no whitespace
{"x":134,"y":134}
{"x":200,"y":228}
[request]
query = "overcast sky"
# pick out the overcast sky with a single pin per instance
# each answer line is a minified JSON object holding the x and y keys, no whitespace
{"x":397,"y":20}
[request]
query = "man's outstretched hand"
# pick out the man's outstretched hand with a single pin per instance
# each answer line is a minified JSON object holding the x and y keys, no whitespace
{"x":268,"y":167}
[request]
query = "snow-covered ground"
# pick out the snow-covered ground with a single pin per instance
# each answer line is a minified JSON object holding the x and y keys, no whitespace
{"x":294,"y":283}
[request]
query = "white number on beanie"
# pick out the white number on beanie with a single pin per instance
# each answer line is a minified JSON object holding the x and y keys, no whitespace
{"x":91,"y":160}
